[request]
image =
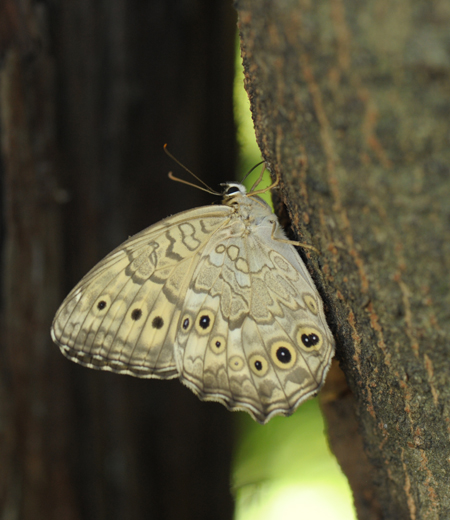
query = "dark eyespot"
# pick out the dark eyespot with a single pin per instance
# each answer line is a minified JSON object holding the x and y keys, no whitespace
{"x":218,"y":343}
{"x":258,"y":365}
{"x":186,"y":323}
{"x":136,"y":314}
{"x":231,"y":190}
{"x":204,"y":322}
{"x":101,"y":305}
{"x":283,"y":355}
{"x":157,"y":322}
{"x":309,"y":340}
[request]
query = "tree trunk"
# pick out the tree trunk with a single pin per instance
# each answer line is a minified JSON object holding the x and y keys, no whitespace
{"x":351,"y":107}
{"x":90,"y":92}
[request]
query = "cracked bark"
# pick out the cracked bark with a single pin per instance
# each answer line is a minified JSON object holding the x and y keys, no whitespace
{"x":351,"y":107}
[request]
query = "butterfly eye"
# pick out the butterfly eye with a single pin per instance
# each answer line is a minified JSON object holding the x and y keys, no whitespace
{"x":309,"y":338}
{"x":259,"y":365}
{"x":231,"y":190}
{"x":283,"y":354}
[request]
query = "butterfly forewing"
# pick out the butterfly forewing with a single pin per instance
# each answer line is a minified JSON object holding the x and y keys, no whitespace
{"x":122,"y":315}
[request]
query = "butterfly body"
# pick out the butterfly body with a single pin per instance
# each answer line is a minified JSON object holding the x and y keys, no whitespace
{"x":215,"y":296}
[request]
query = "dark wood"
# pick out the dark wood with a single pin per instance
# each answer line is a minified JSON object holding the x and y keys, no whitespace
{"x":351,"y":107}
{"x":90,"y":93}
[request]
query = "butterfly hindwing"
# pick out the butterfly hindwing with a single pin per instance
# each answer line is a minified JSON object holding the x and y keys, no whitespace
{"x":246,"y":311}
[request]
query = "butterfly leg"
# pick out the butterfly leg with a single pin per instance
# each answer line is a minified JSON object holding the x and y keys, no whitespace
{"x":292,"y":242}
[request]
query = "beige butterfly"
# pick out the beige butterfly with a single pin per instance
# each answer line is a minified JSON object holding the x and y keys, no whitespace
{"x":216,"y":296}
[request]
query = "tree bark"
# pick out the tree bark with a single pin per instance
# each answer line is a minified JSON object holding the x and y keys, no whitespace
{"x":90,"y":92}
{"x":351,"y":105}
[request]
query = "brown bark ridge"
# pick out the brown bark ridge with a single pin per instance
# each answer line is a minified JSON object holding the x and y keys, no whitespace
{"x":351,"y":106}
{"x":89,"y":94}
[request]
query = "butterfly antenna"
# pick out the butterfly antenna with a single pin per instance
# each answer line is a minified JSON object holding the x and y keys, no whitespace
{"x":250,"y":171}
{"x":253,"y":190}
{"x":173,"y":178}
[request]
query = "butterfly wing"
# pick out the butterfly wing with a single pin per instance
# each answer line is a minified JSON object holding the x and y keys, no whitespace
{"x":253,"y":333}
{"x":123,"y":314}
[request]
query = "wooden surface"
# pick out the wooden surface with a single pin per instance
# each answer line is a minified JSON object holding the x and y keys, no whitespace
{"x":90,"y":93}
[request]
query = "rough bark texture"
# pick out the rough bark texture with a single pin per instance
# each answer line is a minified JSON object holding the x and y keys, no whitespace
{"x":89,"y":94}
{"x":351,"y":106}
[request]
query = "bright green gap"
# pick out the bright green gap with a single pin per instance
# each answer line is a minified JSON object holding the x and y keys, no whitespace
{"x":249,"y":153}
{"x":285,"y":468}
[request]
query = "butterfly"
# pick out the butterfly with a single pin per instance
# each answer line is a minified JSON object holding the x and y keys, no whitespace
{"x":216,"y":296}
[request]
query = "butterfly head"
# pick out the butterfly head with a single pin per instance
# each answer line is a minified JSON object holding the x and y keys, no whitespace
{"x":233,"y":189}
{"x":248,"y":206}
